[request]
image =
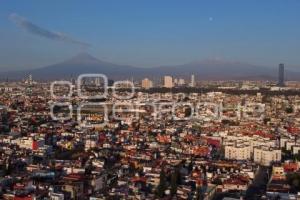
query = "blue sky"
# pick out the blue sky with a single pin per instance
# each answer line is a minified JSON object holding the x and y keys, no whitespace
{"x":151,"y":33}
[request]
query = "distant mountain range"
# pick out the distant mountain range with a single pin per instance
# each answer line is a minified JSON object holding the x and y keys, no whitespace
{"x":203,"y":70}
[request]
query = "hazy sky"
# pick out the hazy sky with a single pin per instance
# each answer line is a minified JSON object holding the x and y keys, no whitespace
{"x":36,"y":33}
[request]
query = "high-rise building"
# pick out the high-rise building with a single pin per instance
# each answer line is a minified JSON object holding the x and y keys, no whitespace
{"x":97,"y":81}
{"x":146,"y":83}
{"x":168,"y":81}
{"x":181,"y":82}
{"x":175,"y":81}
{"x":29,"y":80}
{"x":193,"y":83}
{"x":281,"y":75}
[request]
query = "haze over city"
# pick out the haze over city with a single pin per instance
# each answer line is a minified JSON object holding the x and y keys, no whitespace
{"x":149,"y":34}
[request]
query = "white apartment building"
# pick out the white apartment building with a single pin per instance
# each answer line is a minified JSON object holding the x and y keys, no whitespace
{"x":266,"y":155}
{"x":193,"y":82}
{"x":147,"y":83}
{"x":262,"y":150}
{"x":181,"y":82}
{"x":296,"y":149}
{"x":290,"y":144}
{"x":29,"y":143}
{"x":252,"y":141}
{"x":168,"y":81}
{"x":238,"y":152}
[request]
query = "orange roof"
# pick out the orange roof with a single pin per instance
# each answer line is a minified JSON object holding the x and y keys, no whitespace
{"x":189,"y":138}
{"x":201,"y":150}
{"x":139,"y":179}
{"x":75,"y":177}
{"x":196,"y":173}
{"x":293,"y":130}
{"x":290,"y":167}
{"x":163,"y":138}
{"x":29,"y":197}
{"x":232,"y":181}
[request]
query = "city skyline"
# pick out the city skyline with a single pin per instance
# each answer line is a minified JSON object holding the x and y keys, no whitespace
{"x":144,"y":100}
{"x":205,"y":70}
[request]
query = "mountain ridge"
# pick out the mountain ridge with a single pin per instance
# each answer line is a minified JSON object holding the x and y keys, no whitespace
{"x":208,"y":69}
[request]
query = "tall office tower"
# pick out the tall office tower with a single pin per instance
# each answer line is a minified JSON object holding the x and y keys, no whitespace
{"x":97,"y":81}
{"x":29,"y":80}
{"x":175,"y":81}
{"x":146,"y":83}
{"x":181,"y":82}
{"x":281,"y":75}
{"x":193,"y":83}
{"x":168,"y":81}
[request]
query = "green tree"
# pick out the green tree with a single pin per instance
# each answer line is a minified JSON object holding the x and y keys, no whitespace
{"x":296,"y":183}
{"x":297,"y":157}
{"x":289,"y":110}
{"x":266,"y":120}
